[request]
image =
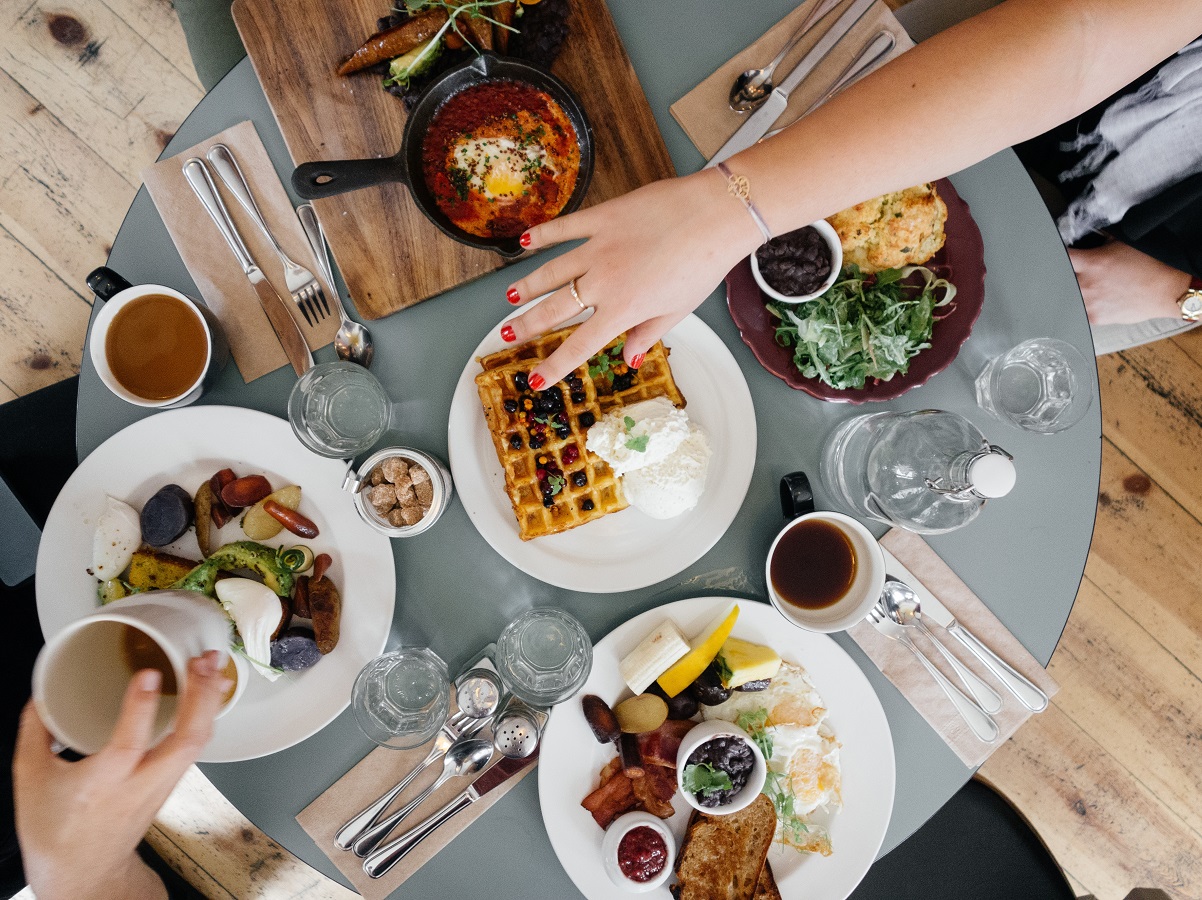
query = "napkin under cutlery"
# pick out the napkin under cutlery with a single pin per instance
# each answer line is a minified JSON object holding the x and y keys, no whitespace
{"x":373,"y":774}
{"x":222,"y":284}
{"x":910,"y":558}
{"x":704,"y":112}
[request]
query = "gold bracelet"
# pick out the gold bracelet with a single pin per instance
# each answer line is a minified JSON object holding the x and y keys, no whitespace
{"x":740,"y":187}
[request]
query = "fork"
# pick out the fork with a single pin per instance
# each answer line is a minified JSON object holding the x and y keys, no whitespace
{"x":306,"y":290}
{"x":978,"y":720}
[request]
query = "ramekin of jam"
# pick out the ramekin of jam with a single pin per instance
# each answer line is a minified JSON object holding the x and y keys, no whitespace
{"x":719,"y":768}
{"x":799,"y":266}
{"x":638,"y":851}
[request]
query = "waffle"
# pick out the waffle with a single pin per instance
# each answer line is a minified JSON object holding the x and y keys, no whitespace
{"x":559,"y":455}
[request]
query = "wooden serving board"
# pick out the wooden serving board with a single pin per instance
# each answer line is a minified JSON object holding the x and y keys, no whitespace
{"x":390,"y":255}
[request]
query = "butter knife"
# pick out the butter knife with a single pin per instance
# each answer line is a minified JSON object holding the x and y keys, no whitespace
{"x":1027,"y":693}
{"x":765,"y":117}
{"x":383,"y":859}
{"x":285,"y":327}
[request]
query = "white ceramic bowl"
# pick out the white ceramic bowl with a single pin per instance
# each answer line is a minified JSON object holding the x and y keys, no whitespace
{"x":706,"y":731}
{"x":832,"y":242}
{"x":617,"y":830}
{"x":865,"y":589}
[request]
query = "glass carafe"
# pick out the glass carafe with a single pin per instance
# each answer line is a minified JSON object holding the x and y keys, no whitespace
{"x":928,"y":471}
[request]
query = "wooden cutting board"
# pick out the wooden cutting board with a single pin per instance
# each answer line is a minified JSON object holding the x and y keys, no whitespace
{"x":390,"y":255}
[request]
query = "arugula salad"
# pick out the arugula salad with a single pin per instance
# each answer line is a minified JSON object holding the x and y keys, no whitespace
{"x":865,"y":326}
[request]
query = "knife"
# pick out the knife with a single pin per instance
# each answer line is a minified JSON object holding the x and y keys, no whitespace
{"x":765,"y":117}
{"x":1027,"y":693}
{"x":383,"y":859}
{"x":285,"y":327}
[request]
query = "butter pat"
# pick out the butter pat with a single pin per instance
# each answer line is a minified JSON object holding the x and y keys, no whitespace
{"x":748,"y":662}
{"x":651,"y":658}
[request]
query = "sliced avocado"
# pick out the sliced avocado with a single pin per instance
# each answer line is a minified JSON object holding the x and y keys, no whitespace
{"x":416,"y":62}
{"x":260,"y":559}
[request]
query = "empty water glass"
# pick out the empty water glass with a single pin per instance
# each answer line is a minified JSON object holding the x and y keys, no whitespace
{"x":339,"y":409}
{"x":401,"y":699}
{"x":544,"y":656}
{"x":1042,"y":385}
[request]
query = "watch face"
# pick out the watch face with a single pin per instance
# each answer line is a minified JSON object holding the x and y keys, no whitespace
{"x":1191,"y":307}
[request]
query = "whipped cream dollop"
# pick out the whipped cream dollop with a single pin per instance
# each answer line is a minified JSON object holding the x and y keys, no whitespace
{"x":640,"y":435}
{"x":661,"y":456}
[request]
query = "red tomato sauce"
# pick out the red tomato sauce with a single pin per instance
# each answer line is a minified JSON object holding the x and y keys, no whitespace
{"x":642,"y":854}
{"x":500,"y":157}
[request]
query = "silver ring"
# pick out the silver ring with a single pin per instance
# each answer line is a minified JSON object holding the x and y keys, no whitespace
{"x":576,"y":295}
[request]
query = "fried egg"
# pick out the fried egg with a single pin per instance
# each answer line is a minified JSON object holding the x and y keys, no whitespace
{"x":498,"y":167}
{"x":118,"y":535}
{"x":804,"y":748}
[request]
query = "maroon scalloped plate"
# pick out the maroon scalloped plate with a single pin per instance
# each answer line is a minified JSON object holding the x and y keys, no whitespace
{"x":961,"y":261}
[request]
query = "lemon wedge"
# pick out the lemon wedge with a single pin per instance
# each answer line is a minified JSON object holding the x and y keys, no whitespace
{"x":702,"y":651}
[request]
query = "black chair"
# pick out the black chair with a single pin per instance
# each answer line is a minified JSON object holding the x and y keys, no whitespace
{"x":977,"y":847}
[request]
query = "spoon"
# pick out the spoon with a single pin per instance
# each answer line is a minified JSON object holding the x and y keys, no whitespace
{"x":905,"y":608}
{"x":352,"y":342}
{"x":753,"y":86}
{"x":464,"y":758}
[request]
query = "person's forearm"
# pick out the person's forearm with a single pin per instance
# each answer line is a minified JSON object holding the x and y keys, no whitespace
{"x":131,"y":879}
{"x":999,"y":78}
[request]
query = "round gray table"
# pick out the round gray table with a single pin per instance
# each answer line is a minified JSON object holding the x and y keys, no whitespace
{"x":1024,"y":556}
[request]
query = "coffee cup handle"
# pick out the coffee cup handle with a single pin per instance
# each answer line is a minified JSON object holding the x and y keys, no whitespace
{"x":105,"y":283}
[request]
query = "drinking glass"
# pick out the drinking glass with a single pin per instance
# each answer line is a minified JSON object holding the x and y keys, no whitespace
{"x":339,"y":409}
{"x":401,"y":699}
{"x":544,"y":656}
{"x":1042,"y":385}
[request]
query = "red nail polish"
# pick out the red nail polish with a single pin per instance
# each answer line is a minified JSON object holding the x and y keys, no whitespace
{"x":637,"y":362}
{"x":513,"y":296}
{"x":524,"y":240}
{"x":507,"y":334}
{"x":536,"y":382}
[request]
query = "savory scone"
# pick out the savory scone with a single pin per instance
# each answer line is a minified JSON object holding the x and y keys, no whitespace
{"x":903,"y":228}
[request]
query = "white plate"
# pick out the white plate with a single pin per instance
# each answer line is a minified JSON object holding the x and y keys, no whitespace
{"x":186,"y":446}
{"x":625,"y":550}
{"x":571,"y":758}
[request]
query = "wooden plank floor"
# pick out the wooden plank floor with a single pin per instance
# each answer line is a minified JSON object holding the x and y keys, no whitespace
{"x":91,"y":90}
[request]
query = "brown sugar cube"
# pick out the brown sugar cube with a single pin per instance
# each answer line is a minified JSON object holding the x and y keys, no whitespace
{"x":377,"y":475}
{"x":403,"y":484}
{"x":418,"y":474}
{"x":394,"y":467}
{"x":396,"y":518}
{"x":411,"y":514}
{"x":382,"y":498}
{"x":404,"y":496}
{"x":425,"y":492}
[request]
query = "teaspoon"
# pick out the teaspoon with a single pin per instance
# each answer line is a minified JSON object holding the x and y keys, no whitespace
{"x":753,"y":86}
{"x":352,"y":342}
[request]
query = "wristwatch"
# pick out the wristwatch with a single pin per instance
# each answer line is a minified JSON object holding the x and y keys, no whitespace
{"x":1191,"y":302}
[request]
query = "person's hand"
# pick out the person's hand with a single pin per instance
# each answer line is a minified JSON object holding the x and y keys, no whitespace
{"x":1122,"y":285}
{"x":79,"y":823}
{"x":650,"y":258}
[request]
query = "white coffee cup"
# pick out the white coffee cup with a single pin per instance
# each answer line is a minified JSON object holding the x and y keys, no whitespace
{"x":865,"y":588}
{"x":81,"y":675}
{"x":119,"y":294}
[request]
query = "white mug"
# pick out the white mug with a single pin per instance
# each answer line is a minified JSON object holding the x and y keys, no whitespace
{"x":865,"y":588}
{"x":118,"y":294}
{"x":81,"y":675}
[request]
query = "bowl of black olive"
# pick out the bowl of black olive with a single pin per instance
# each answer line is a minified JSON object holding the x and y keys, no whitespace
{"x":799,"y":266}
{"x":719,"y":768}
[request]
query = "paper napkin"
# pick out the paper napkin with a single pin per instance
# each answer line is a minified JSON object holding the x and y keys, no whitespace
{"x":211,"y":263}
{"x":910,"y":558}
{"x":704,"y":112}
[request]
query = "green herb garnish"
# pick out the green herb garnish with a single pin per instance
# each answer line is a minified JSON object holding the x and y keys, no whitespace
{"x":703,"y":780}
{"x":865,"y":326}
{"x":636,"y":443}
{"x":556,"y":482}
{"x":776,"y":785}
{"x":460,"y":181}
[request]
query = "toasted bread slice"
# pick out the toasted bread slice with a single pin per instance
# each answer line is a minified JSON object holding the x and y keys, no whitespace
{"x":154,"y":570}
{"x":765,"y":888}
{"x":723,"y":856}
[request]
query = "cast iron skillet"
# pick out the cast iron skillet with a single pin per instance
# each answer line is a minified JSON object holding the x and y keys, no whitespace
{"x":316,"y":180}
